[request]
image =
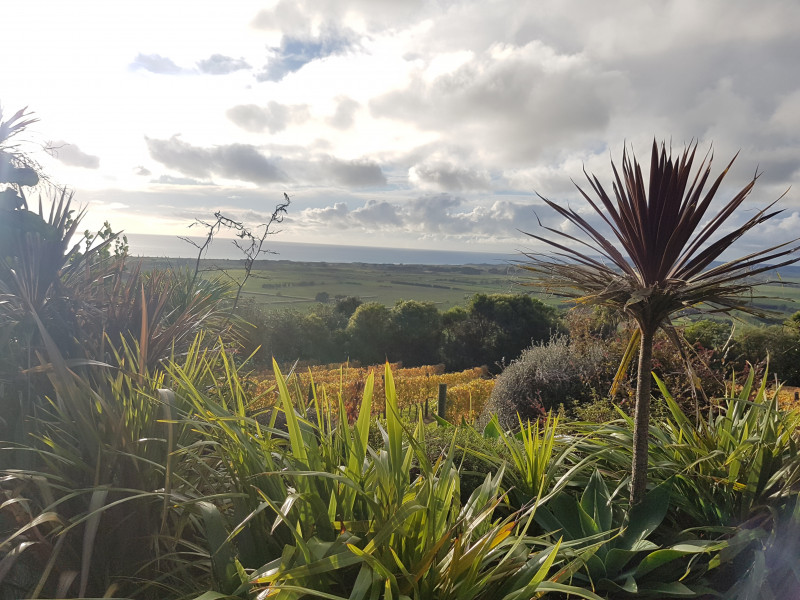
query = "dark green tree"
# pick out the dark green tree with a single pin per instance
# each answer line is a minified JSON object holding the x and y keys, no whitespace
{"x":345,"y":307}
{"x":371,"y":332}
{"x":418,"y":332}
{"x":493,"y":329}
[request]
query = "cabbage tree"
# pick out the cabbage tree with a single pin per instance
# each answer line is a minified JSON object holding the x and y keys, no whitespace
{"x":662,"y":255}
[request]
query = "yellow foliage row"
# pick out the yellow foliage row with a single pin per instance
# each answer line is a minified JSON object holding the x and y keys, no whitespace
{"x":467,"y":391}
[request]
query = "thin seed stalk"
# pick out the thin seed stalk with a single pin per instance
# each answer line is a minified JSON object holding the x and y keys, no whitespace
{"x":641,"y":424}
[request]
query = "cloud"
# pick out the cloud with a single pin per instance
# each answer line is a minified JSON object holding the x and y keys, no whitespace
{"x":297,"y":16}
{"x":296,"y":52}
{"x":219,"y":64}
{"x":514,"y":100}
{"x":232,"y":161}
{"x":335,"y":215}
{"x":216,"y":64}
{"x":344,"y":117}
{"x":328,"y":170}
{"x":274,"y":117}
{"x":71,"y":155}
{"x":378,"y":213}
{"x":437,"y":216}
{"x":170,"y":180}
{"x":355,"y":173}
{"x":448,"y":177}
{"x":142,"y":171}
{"x":155,"y":63}
{"x":247,"y":163}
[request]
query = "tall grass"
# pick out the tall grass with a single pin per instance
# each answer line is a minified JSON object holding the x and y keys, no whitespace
{"x":356,"y":521}
{"x":735,"y":463}
{"x":166,"y":484}
{"x":100,"y":510}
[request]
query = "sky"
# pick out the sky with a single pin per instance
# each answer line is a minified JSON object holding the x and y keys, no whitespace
{"x":413,"y":124}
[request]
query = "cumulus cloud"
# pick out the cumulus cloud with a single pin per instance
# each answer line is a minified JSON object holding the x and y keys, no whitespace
{"x":516,"y":100}
{"x":439,"y":216}
{"x":455,"y":218}
{"x":155,"y":63}
{"x":232,"y":161}
{"x":344,"y":117}
{"x":485,"y":103}
{"x":448,"y":177}
{"x":273,"y":117}
{"x":71,"y":155}
{"x":219,"y":64}
{"x":142,"y":171}
{"x":247,"y":163}
{"x":324,"y":169}
{"x":297,"y":16}
{"x":355,"y":173}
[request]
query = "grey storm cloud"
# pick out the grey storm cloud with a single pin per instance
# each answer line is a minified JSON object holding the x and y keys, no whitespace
{"x":233,"y":161}
{"x":219,"y":64}
{"x":155,"y":63}
{"x":273,"y":117}
{"x":448,"y":177}
{"x":71,"y":155}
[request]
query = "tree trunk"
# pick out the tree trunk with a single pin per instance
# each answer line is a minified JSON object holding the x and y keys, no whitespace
{"x":641,"y":422}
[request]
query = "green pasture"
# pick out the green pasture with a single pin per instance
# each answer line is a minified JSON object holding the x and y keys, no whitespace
{"x":290,"y":284}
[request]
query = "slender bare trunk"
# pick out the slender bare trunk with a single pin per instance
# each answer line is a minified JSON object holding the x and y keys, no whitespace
{"x":641,"y":422}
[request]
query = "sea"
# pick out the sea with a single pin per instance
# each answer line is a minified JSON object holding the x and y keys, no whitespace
{"x":222,"y":248}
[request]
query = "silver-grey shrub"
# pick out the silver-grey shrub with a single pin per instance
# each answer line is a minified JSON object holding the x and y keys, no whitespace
{"x":546,"y":376}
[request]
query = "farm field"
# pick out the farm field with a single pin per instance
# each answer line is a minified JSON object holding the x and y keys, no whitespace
{"x":290,"y":284}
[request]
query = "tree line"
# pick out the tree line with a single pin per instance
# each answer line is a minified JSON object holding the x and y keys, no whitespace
{"x":490,"y":329}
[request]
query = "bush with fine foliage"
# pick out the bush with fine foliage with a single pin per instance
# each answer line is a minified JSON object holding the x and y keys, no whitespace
{"x":546,"y":376}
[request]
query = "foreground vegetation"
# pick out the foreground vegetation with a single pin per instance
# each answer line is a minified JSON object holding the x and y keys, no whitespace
{"x":126,"y":490}
{"x":141,"y":459}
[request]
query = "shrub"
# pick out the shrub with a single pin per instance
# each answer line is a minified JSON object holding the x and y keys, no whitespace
{"x":781,"y":344}
{"x":546,"y":376}
{"x":709,"y":334}
{"x":598,"y":410}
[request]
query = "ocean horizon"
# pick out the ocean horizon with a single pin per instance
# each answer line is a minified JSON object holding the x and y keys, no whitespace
{"x":166,"y":246}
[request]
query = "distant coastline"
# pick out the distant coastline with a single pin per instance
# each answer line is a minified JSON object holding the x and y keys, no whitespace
{"x":171,"y":247}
